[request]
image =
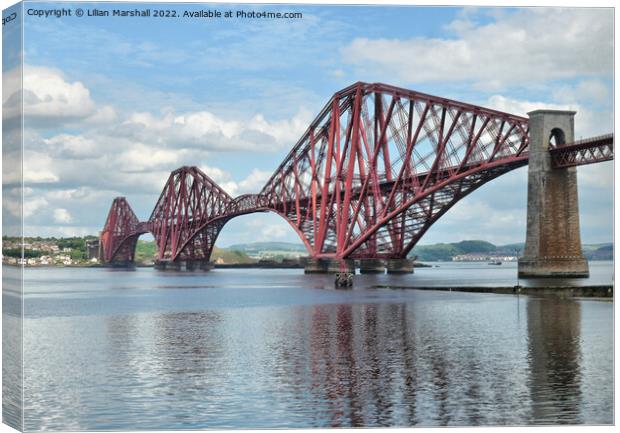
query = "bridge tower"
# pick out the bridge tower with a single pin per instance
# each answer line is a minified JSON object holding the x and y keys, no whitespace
{"x":553,"y":240}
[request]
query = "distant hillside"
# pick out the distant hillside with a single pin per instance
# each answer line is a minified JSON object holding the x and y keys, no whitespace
{"x":229,"y":256}
{"x":599,"y":252}
{"x":255,"y":247}
{"x":445,"y":252}
{"x":146,"y":251}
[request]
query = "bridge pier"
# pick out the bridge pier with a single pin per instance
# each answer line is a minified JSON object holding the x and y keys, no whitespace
{"x":183,"y":265}
{"x":372,"y":266}
{"x":315,"y":266}
{"x":553,"y":240}
{"x":329,"y":266}
{"x":123,"y":264}
{"x":399,"y":266}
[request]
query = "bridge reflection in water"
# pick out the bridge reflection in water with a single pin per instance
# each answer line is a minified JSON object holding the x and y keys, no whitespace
{"x":245,"y":350}
{"x":396,"y":365}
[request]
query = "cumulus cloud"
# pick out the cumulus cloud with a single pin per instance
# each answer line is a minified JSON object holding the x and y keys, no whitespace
{"x":50,"y":99}
{"x":210,"y":132}
{"x":587,"y":122}
{"x":72,"y":146}
{"x":48,"y":94}
{"x":478,"y":217}
{"x":105,"y":155}
{"x":262,"y":227}
{"x":32,"y":205}
{"x":62,"y":216}
{"x":251,"y":184}
{"x":530,"y":45}
{"x":39,"y":168}
{"x":255,"y":181}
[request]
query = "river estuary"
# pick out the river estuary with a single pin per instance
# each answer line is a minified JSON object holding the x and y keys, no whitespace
{"x":256,"y":348}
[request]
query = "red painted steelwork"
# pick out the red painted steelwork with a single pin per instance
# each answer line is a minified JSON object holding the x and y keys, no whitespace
{"x":375,"y":169}
{"x":582,"y":152}
{"x":120,"y":232}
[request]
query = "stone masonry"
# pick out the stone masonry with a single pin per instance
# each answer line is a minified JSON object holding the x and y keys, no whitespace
{"x":553,"y":241}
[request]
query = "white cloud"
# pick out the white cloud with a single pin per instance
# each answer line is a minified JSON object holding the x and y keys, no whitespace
{"x":600,"y":175}
{"x":479,"y":218}
{"x":72,"y":146}
{"x":261,"y":229}
{"x":531,"y":45}
{"x":39,"y":168}
{"x":251,"y":184}
{"x":49,"y":99}
{"x":102,"y":116}
{"x":32,"y":205}
{"x":11,"y":101}
{"x":222,"y":178}
{"x":57,"y":231}
{"x":47,"y":94}
{"x":587,"y":122}
{"x":210,"y":132}
{"x":254,"y":182}
{"x":594,"y":91}
{"x":62,"y":216}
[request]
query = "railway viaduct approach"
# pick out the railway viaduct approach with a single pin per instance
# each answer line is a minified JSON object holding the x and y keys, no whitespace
{"x":371,"y":174}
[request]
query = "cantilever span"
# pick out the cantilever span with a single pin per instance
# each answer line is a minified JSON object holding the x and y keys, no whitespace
{"x":370,"y":175}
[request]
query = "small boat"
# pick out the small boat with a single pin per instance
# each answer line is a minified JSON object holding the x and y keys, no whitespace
{"x":495,"y":263}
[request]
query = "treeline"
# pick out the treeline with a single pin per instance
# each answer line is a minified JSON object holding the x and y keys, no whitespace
{"x":28,"y":254}
{"x":445,"y":251}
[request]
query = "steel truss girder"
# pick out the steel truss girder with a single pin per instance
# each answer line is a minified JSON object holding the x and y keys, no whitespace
{"x":373,"y":171}
{"x":189,"y":199}
{"x":376,"y":150}
{"x":120,"y":232}
{"x":582,"y":152}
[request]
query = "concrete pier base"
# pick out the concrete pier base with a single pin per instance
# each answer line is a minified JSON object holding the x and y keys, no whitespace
{"x":184,"y":265}
{"x":399,"y":266}
{"x":126,"y":264}
{"x":334,"y":266}
{"x":160,"y":266}
{"x":372,"y":266}
{"x":329,"y":266}
{"x":554,"y":267}
{"x":315,"y":266}
{"x":206,"y":265}
{"x":553,"y":239}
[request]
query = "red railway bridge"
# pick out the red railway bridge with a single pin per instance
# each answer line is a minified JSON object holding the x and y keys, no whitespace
{"x":371,"y":174}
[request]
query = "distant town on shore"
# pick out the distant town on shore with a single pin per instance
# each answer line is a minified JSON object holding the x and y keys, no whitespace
{"x":84,"y":251}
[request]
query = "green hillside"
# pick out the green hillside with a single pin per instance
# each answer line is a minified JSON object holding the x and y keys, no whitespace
{"x":230,"y":256}
{"x":445,"y":252}
{"x":146,"y":251}
{"x":268,"y":246}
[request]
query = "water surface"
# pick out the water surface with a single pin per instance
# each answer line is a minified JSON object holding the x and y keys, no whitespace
{"x":235,"y":348}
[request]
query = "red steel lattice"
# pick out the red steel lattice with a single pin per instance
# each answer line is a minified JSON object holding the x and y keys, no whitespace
{"x":375,"y":169}
{"x":582,"y":152}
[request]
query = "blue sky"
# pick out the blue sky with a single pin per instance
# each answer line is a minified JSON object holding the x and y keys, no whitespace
{"x":114,"y":104}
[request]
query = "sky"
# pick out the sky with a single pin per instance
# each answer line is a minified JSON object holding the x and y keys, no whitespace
{"x":113,"y":104}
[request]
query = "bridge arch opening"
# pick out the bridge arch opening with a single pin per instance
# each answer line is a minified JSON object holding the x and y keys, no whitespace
{"x":261,"y":227}
{"x":485,"y":214}
{"x":557,"y":137}
{"x":130,"y":250}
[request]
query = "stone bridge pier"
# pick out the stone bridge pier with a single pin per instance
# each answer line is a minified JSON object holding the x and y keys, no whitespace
{"x":553,"y":240}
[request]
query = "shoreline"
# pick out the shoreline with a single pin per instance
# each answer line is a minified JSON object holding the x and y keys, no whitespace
{"x":217,"y":266}
{"x":593,"y":291}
